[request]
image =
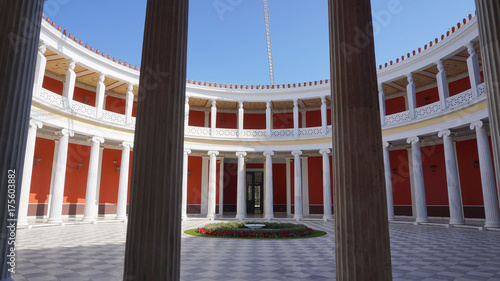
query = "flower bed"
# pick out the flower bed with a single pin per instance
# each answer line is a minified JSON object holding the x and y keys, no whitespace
{"x":270,"y":230}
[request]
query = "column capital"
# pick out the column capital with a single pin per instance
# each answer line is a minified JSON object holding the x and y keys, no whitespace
{"x":444,"y":133}
{"x":213,"y":152}
{"x":381,"y":88}
{"x":36,"y":123}
{"x":386,"y":144}
{"x":214,"y":102}
{"x":324,"y":151}
{"x":187,"y":150}
{"x":72,"y":64}
{"x":476,"y":125}
{"x":42,"y":47}
{"x":470,"y":48}
{"x":240,"y":104}
{"x":66,"y":132}
{"x":295,"y":102}
{"x":241,"y":153}
{"x":409,"y":77}
{"x":296,"y":152}
{"x":440,"y":65}
{"x":96,"y":139}
{"x":130,"y":87}
{"x":268,"y":104}
{"x":127,"y":144}
{"x":102,"y":77}
{"x":268,"y":153}
{"x":323,"y":100}
{"x":187,"y":100}
{"x":413,"y":140}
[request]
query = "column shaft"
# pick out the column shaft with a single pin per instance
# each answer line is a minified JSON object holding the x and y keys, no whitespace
{"x":221,"y":187}
{"x":381,"y":102}
{"x":69,"y":84}
{"x":388,"y":182}
{"x":90,"y":210}
{"x":442,"y":84}
{"x":295,"y":118}
{"x":268,"y":195}
{"x":473,"y":67}
{"x":59,"y":177}
{"x":212,"y":182}
{"x":240,"y":189}
{"x":204,"y":186}
{"x":268,"y":119}
{"x":156,"y":183}
{"x":41,"y":62}
{"x":185,"y":182}
{"x":327,"y":195}
{"x":297,"y":184}
{"x":288,"y":189}
{"x":240,"y":119}
{"x":186,"y":114}
{"x":412,"y":95}
{"x":213,"y":118}
{"x":129,"y":103}
{"x":359,"y":190}
{"x":121,"y":202}
{"x":324,"y":118}
{"x":27,"y":173}
{"x":418,"y":179}
{"x":100,"y":94}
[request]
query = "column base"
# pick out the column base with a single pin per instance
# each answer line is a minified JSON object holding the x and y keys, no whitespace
{"x":55,"y":221}
{"x":240,"y":218}
{"x":121,"y":218}
{"x":421,"y":220}
{"x":492,"y":224}
{"x":328,"y":217}
{"x":456,"y":222}
{"x":269,"y":218}
{"x":391,"y":219}
{"x":185,"y":218}
{"x":91,"y":220}
{"x":22,"y":223}
{"x":298,"y":218}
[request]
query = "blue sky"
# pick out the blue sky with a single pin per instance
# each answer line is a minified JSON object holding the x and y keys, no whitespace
{"x":226,"y":38}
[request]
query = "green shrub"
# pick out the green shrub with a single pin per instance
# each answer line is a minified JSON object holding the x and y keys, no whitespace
{"x":270,"y":230}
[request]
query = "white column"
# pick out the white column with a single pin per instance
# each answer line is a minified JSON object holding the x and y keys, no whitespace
{"x":90,"y":210}
{"x":297,"y":186}
{"x":184,"y":183}
{"x":452,"y":180}
{"x":268,"y":119}
{"x":327,"y":193}
{"x":221,"y":187}
{"x":240,"y":118}
{"x":388,"y":182}
{"x":411,"y":94}
{"x":487,"y":177}
{"x":305,"y":185}
{"x":418,"y":180}
{"x":212,"y":183}
{"x":268,"y":188}
{"x":24,"y":197}
{"x":129,"y":103}
{"x":59,"y":177}
{"x":473,"y":67}
{"x":304,"y":119}
{"x":69,"y":84}
{"x":296,"y":117}
{"x":205,"y":124}
{"x":204,"y":186}
{"x":186,"y":115}
{"x":324,"y":120}
{"x":442,"y":84}
{"x":121,"y":205}
{"x":288,"y":189}
{"x":381,"y":102}
{"x":213,"y":118}
{"x":101,"y":152}
{"x":52,"y":176}
{"x":41,"y":62}
{"x":240,"y":189}
{"x":100,"y":93}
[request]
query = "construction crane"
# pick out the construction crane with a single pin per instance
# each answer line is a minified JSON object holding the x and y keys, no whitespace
{"x":268,"y":40}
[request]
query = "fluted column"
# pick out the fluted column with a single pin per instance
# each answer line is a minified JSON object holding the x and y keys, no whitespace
{"x":90,"y":210}
{"x":27,"y":172}
{"x":59,"y":177}
{"x":156,"y":183}
{"x":412,"y":95}
{"x":121,"y":202}
{"x":327,"y":195}
{"x":240,"y":118}
{"x":388,"y":182}
{"x":20,"y":34}
{"x":268,"y":119}
{"x":473,"y":68}
{"x":324,"y":118}
{"x":490,"y":196}
{"x":442,"y":84}
{"x":288,"y":189}
{"x":297,"y":182}
{"x":212,"y":184}
{"x":213,"y":118}
{"x":100,"y":94}
{"x":221,"y":187}
{"x":452,"y":180}
{"x":296,"y":117}
{"x":240,"y":189}
{"x":489,"y":41}
{"x":69,"y":84}
{"x":41,"y":62}
{"x":418,"y":180}
{"x":359,"y":190}
{"x":381,"y":102}
{"x":129,"y":103}
{"x":186,"y":114}
{"x":268,"y":194}
{"x":185,"y":182}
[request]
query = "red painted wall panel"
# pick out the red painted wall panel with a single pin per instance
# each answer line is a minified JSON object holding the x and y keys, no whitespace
{"x":313,"y":118}
{"x":194,"y":180}
{"x":395,"y":105}
{"x":279,"y":183}
{"x":115,"y":105}
{"x":230,"y":120}
{"x":230,"y":182}
{"x":108,"y":192}
{"x":254,"y":121}
{"x":196,"y":118}
{"x":427,"y":97}
{"x":459,"y":86}
{"x":436,"y":192}
{"x":40,"y":179}
{"x":53,"y":85}
{"x":470,"y":177}
{"x":80,"y":95}
{"x":76,"y":180}
{"x":315,"y":180}
{"x":401,"y":188}
{"x":285,"y":120}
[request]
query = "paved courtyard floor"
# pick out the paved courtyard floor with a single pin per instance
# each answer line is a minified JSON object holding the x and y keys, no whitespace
{"x":95,"y":252}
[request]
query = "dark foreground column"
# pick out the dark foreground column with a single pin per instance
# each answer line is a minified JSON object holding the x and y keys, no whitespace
{"x":19,"y":34}
{"x":362,"y":249}
{"x":488,"y":12}
{"x":154,"y":227}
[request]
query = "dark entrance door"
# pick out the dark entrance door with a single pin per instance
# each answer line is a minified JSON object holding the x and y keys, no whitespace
{"x":254,"y":196}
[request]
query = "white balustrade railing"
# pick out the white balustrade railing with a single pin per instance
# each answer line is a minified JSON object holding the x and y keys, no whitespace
{"x":481,"y":89}
{"x":312,"y":131}
{"x":84,"y":109}
{"x":132,"y":121}
{"x":328,"y":129}
{"x":254,"y":134}
{"x":397,"y":117}
{"x":113,"y":117}
{"x":429,"y":109}
{"x":459,"y":99}
{"x":52,"y":98}
{"x":231,"y":133}
{"x":277,"y":133}
{"x":198,"y":131}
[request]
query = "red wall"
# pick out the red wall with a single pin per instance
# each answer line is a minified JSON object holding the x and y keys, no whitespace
{"x":459,"y":86}
{"x":194,"y":180}
{"x":230,"y":182}
{"x":76,"y":180}
{"x":313,"y":118}
{"x":40,"y":179}
{"x":401,"y":186}
{"x":279,"y":183}
{"x":395,"y":105}
{"x":230,"y":120}
{"x":280,"y":120}
{"x":80,"y":94}
{"x":115,"y":105}
{"x":196,"y":118}
{"x":436,"y":191}
{"x":254,"y":121}
{"x":315,"y":180}
{"x":108,"y":192}
{"x":431,"y":95}
{"x":53,"y":85}
{"x":470,"y":177}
